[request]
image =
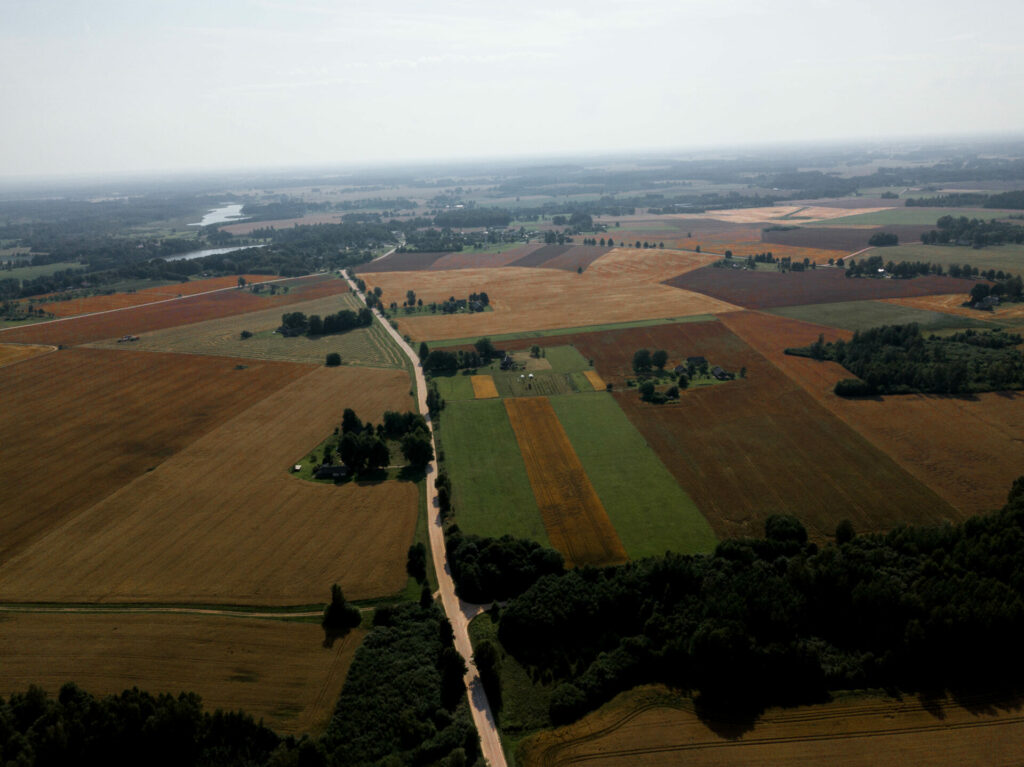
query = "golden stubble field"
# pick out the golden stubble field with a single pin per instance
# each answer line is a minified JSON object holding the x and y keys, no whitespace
{"x":277,"y":671}
{"x":223,"y":522}
{"x":650,"y":726}
{"x":11,"y":353}
{"x":621,"y":286}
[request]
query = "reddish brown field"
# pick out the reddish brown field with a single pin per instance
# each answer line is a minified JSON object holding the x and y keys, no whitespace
{"x":577,"y":257}
{"x":967,"y":449}
{"x":76,"y":306}
{"x":768,"y":289}
{"x":142,"y":319}
{"x":400,"y":262}
{"x":651,"y":726}
{"x":222,"y":521}
{"x":78,"y":424}
{"x":849,"y":240}
{"x":11,"y":353}
{"x":279,"y":672}
{"x":574,"y":517}
{"x":758,"y":446}
{"x":470,"y":259}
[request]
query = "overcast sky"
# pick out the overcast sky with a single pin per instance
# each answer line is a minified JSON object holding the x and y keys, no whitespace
{"x":130,"y":85}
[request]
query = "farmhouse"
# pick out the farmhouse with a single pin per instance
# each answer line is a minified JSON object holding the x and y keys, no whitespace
{"x":722,"y":375}
{"x":331,"y":471}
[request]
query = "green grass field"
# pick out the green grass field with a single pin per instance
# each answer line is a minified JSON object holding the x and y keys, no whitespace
{"x":566,"y":359}
{"x":491,"y":490}
{"x":32,"y":272}
{"x":649,"y":510}
{"x":526,"y":335}
{"x":1006,"y":257}
{"x":455,"y":387}
{"x":910,"y":216}
{"x":861,"y":315}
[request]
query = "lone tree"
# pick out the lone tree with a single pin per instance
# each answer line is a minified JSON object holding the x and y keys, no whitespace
{"x":339,"y":615}
{"x":424,"y":351}
{"x":485,"y":348}
{"x":333,"y":360}
{"x":659,"y":358}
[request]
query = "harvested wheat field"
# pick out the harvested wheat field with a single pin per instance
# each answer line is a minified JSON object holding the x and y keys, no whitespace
{"x":11,"y":353}
{"x":652,"y":726}
{"x":595,"y":380}
{"x":483,"y":387}
{"x":759,"y":445}
{"x":527,"y":299}
{"x":78,"y":424}
{"x":471,"y":259}
{"x":277,"y":671}
{"x":574,"y":518}
{"x":89,"y":304}
{"x":953,"y":304}
{"x":967,"y":449}
{"x":371,"y":346}
{"x":311,"y":219}
{"x":775,"y":213}
{"x":168,"y":314}
{"x":222,"y":522}
{"x":794,"y":253}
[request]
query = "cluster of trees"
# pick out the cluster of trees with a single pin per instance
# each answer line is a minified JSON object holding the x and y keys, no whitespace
{"x":975,"y":232}
{"x":1005,"y":200}
{"x":898,"y":359}
{"x":1006,"y":288}
{"x":298,"y":324}
{"x":440,"y":362}
{"x":363,"y":448}
{"x":645,"y":359}
{"x":489,"y":569}
{"x":404,"y":701}
{"x":431,"y":241}
{"x":883,"y":239}
{"x":778,"y":620}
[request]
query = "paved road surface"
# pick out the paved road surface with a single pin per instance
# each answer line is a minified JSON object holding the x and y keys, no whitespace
{"x":459,"y":613}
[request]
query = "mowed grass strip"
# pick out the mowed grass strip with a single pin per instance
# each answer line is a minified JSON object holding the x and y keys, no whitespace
{"x":492,"y":494}
{"x":277,"y":671}
{"x":503,"y":337}
{"x":483,"y":387}
{"x":573,"y":514}
{"x":365,"y":347}
{"x":649,"y":509}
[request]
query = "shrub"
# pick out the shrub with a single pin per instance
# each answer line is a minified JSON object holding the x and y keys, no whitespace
{"x":333,"y":359}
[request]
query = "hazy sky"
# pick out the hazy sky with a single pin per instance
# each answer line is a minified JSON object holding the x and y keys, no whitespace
{"x":112,"y":85}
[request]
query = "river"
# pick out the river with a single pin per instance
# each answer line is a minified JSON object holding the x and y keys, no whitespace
{"x":222,"y":215}
{"x":208,"y":252}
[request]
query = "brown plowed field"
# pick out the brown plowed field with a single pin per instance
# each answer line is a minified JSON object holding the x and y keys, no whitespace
{"x":574,"y":517}
{"x":538,"y":299}
{"x":400,"y":262}
{"x":471,"y":259}
{"x":952,"y":304}
{"x":539,"y":255}
{"x":78,"y":424}
{"x":849,"y":240}
{"x":650,"y":726}
{"x":169,"y":314}
{"x":279,"y":672}
{"x":768,"y":289}
{"x":11,"y":353}
{"x":89,"y":304}
{"x":968,"y":450}
{"x":578,"y":256}
{"x":758,"y":446}
{"x":483,"y":387}
{"x":223,"y":521}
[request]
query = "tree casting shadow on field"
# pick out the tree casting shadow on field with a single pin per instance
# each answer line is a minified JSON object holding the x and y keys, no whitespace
{"x":339,"y":617}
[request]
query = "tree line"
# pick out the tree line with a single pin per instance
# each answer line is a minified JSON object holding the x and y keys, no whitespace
{"x":778,"y":620}
{"x":298,"y":324}
{"x":1006,"y":200}
{"x":976,"y":232}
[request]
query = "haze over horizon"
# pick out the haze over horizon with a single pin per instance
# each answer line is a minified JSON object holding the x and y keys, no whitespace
{"x":121,"y":87}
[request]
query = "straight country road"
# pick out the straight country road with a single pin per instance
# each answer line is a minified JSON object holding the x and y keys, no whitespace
{"x":459,"y":613}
